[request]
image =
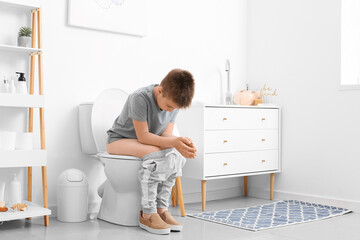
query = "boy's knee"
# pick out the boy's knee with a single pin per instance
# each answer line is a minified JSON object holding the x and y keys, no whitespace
{"x":151,"y":149}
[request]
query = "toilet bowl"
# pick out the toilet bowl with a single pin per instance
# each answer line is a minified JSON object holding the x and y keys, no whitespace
{"x":121,"y":192}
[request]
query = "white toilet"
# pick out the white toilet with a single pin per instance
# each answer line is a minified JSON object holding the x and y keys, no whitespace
{"x":121,"y":195}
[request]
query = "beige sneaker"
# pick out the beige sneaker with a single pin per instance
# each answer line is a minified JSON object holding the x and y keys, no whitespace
{"x":154,"y":224}
{"x":175,"y":225}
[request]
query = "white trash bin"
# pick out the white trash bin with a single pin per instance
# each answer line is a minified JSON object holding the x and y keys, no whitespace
{"x":72,"y":196}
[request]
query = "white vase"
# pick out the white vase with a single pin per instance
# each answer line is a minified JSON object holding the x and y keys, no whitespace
{"x":24,"y":42}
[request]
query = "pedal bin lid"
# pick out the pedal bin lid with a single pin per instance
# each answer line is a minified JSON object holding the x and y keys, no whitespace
{"x":72,"y":178}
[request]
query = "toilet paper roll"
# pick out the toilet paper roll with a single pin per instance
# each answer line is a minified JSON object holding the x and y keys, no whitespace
{"x":24,"y":141}
{"x":7,"y":140}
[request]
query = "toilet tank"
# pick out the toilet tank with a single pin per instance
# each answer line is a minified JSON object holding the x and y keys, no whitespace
{"x":86,"y":134}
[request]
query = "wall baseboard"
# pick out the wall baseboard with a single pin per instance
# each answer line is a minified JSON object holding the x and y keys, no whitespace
{"x":188,"y":198}
{"x":252,"y":192}
{"x":283,"y":195}
{"x":213,"y":195}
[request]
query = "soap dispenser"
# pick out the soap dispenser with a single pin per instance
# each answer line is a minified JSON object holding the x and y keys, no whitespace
{"x":15,"y":191}
{"x":21,"y":86}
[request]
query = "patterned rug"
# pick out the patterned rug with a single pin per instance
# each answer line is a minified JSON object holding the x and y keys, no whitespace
{"x":277,"y":214}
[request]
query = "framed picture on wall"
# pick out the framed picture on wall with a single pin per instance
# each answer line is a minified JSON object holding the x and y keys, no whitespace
{"x":119,"y":16}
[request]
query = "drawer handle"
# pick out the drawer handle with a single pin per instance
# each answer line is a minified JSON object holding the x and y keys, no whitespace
{"x":263,"y":119}
{"x":263,"y":161}
{"x":263,"y":140}
{"x":225,"y":164}
{"x":224,"y":119}
{"x":225,"y":141}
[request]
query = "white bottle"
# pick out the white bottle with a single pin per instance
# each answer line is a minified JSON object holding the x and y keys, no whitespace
{"x":12,"y":88}
{"x":2,"y":192}
{"x":15,"y":191}
{"x":4,"y":88}
{"x":21,"y":87}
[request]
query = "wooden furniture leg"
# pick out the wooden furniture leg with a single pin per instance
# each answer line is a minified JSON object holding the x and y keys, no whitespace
{"x":180,"y":196}
{"x":245,"y":185}
{"x":31,"y":92}
{"x":203,"y":193}
{"x":173,"y":196}
{"x":42,"y":119}
{"x":43,"y":168}
{"x":45,"y":194}
{"x":272,"y":178}
{"x":177,"y":200}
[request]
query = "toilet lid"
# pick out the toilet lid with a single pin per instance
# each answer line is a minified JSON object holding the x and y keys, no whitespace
{"x":125,"y":157}
{"x":107,"y":107}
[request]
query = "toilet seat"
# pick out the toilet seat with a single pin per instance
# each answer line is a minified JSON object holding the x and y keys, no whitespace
{"x":119,"y":157}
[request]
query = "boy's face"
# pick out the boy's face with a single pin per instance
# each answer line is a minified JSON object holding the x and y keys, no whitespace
{"x":166,"y":103}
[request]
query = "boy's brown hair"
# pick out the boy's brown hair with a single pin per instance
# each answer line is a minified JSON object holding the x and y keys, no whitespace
{"x":179,"y":86}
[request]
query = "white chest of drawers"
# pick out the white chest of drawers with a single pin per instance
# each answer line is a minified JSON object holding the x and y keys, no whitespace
{"x":232,"y":141}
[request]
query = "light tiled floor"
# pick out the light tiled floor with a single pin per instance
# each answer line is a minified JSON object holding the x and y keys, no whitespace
{"x":345,"y":227}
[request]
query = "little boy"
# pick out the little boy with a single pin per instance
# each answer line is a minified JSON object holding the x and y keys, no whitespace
{"x":145,"y":129}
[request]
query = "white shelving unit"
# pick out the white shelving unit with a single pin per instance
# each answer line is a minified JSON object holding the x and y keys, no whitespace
{"x":21,"y":4}
{"x":22,"y":158}
{"x":27,"y":158}
{"x":33,"y":210}
{"x":18,"y":49}
{"x":18,"y":100}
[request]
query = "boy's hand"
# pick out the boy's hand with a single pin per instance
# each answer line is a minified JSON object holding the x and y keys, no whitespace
{"x":185,"y":146}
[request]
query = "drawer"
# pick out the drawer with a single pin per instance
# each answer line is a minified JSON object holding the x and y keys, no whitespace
{"x":240,"y":118}
{"x":240,"y":140}
{"x":217,"y":164}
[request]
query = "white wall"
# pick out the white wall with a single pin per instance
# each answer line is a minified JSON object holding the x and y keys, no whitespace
{"x":80,"y":63}
{"x":350,"y":37}
{"x":294,"y":46}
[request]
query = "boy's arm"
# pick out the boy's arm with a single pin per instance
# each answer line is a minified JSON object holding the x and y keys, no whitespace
{"x":145,"y":137}
{"x":182,"y":144}
{"x":168,"y":132}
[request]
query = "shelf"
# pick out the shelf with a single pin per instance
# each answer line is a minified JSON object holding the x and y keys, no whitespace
{"x":22,"y":158}
{"x":18,"y":49}
{"x":19,"y":100}
{"x":33,"y":210}
{"x":26,"y":158}
{"x":22,"y":4}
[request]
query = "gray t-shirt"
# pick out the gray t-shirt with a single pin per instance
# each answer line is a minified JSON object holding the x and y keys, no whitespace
{"x":141,"y":105}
